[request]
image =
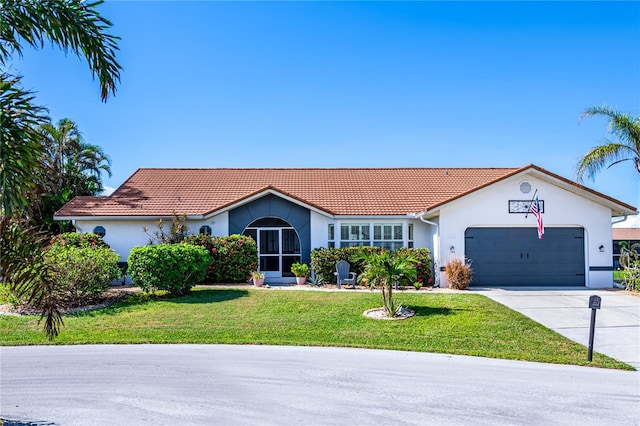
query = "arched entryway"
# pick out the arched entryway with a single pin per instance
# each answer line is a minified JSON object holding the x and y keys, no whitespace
{"x":278,"y":246}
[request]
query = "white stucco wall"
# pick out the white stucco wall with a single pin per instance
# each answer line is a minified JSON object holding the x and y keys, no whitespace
{"x":489,"y":208}
{"x":123,"y":235}
{"x":319,"y":229}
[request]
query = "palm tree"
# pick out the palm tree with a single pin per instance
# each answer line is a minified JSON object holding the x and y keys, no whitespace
{"x":626,"y":129}
{"x":70,"y":167}
{"x":383,"y":270}
{"x":73,"y":25}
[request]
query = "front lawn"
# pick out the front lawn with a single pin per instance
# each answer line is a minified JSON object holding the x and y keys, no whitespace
{"x":464,"y":324}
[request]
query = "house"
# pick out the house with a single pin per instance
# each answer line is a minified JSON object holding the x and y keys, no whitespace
{"x":629,"y":235}
{"x":478,"y":213}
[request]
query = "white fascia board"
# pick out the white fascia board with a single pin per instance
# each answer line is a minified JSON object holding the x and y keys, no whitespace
{"x":374,"y":217}
{"x":121,"y":218}
{"x":262,"y":194}
{"x":615,"y":207}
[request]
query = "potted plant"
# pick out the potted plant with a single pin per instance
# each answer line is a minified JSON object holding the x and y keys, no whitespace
{"x":301,"y":271}
{"x":257,"y":278}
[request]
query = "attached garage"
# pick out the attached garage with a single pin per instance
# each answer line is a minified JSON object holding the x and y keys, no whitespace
{"x":516,"y":257}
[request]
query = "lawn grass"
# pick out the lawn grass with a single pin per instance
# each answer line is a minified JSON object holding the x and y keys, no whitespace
{"x":464,"y":324}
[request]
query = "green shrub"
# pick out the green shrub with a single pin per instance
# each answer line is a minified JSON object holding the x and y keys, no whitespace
{"x":79,"y":274}
{"x":233,"y":257}
{"x":172,"y":267}
{"x":424,"y":265}
{"x":458,"y":273}
{"x":323,"y":260}
{"x":73,"y":239}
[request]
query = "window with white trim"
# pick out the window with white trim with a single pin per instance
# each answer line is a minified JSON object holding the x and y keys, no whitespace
{"x":354,"y":235}
{"x":388,"y":235}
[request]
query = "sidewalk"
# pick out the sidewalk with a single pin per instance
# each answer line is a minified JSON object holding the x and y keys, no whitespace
{"x":566,"y":311}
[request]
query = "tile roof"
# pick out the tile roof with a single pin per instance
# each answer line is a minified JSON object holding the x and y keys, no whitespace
{"x":364,"y":191}
{"x":626,"y":234}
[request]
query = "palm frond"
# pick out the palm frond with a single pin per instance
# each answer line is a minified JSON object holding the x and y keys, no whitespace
{"x":72,"y":25}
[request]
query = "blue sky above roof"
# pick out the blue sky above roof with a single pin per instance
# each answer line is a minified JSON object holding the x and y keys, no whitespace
{"x":362,"y":84}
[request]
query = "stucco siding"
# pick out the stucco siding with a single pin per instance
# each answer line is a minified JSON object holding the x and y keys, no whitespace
{"x":489,"y":208}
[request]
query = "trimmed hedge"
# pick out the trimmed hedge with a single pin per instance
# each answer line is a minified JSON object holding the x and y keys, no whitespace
{"x":323,"y":261}
{"x":233,"y":257}
{"x":424,"y":264}
{"x":172,"y":267}
{"x":81,"y":273}
{"x":73,"y":239}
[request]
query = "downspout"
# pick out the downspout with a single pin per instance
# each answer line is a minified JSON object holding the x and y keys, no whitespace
{"x":436,"y":248}
{"x":618,"y":219}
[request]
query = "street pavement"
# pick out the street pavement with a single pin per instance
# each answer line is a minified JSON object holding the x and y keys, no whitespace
{"x":254,"y":385}
{"x":566,"y":311}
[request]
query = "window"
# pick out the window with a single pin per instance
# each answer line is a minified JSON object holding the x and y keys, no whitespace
{"x":354,"y":234}
{"x":331,"y":237}
{"x":205,"y":230}
{"x":99,"y":231}
{"x":388,"y":235}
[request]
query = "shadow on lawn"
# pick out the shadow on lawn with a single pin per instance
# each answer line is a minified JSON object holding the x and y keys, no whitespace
{"x":428,"y":311}
{"x":194,"y":297}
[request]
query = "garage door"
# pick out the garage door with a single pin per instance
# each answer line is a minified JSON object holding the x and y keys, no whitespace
{"x":516,"y":257}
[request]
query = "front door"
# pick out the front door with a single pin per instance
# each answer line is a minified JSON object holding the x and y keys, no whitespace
{"x":278,"y":246}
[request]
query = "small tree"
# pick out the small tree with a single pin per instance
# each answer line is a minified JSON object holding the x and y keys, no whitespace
{"x":383,"y":270}
{"x":630,"y":263}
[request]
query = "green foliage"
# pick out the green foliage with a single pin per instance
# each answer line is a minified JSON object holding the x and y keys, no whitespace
{"x":20,"y":147}
{"x":72,"y":25}
{"x":630,"y":263}
{"x":73,"y":239}
{"x":300,"y":269}
{"x":424,"y":265}
{"x":233,"y":257}
{"x":323,"y":260}
{"x":383,"y":270}
{"x":177,"y":233}
{"x":171,"y":267}
{"x":69,"y":167}
{"x":81,"y":273}
{"x":626,"y":129}
{"x":458,"y":273}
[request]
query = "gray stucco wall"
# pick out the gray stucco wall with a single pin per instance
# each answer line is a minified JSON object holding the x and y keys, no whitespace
{"x":273,"y":206}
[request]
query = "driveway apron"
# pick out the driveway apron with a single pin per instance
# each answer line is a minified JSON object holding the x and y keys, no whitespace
{"x":566,"y":311}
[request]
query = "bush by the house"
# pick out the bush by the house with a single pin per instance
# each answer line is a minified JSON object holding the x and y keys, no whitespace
{"x":233,"y":257}
{"x":424,"y":265}
{"x":458,"y":273}
{"x":323,"y":260}
{"x":171,"y":267}
{"x":80,"y":273}
{"x":73,"y":239}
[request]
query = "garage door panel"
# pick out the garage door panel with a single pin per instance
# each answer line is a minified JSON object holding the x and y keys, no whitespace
{"x":515,"y":256}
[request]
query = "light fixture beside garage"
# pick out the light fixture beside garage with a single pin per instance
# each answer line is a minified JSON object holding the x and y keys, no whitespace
{"x":601,"y":248}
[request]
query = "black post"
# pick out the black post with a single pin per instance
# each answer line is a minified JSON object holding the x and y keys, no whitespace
{"x":592,"y":330}
{"x":594,"y":303}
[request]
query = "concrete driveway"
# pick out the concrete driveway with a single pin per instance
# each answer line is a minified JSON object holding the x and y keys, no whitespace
{"x":566,"y":311}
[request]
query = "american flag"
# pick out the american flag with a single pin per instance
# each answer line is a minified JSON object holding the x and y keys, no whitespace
{"x":535,"y":209}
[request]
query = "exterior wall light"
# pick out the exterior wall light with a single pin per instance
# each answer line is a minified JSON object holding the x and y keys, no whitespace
{"x":601,"y":248}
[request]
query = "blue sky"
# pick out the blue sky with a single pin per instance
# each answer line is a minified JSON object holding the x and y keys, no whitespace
{"x":363,"y":84}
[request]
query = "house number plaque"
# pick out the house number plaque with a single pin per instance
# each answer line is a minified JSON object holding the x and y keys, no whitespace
{"x":523,"y":206}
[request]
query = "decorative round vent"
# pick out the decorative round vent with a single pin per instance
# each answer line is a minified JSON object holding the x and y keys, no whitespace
{"x":525,"y":187}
